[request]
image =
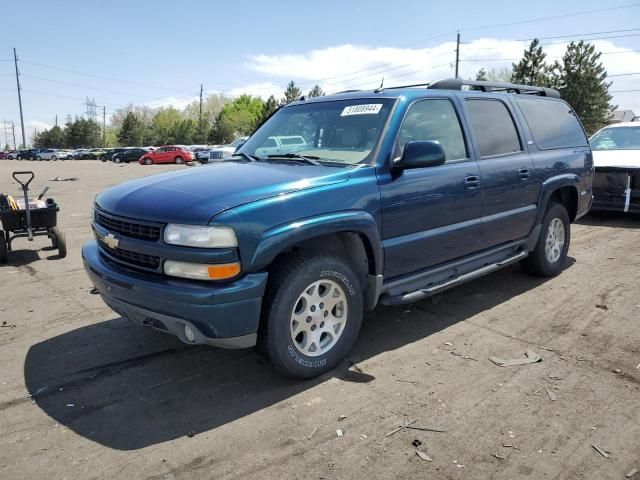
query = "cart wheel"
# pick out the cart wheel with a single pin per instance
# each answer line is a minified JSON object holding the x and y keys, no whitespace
{"x":59,"y":242}
{"x":3,"y":248}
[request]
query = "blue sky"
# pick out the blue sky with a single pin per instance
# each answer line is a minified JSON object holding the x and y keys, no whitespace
{"x":159,"y":52}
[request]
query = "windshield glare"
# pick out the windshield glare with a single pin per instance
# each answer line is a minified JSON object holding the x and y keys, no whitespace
{"x":344,"y":131}
{"x":617,"y":138}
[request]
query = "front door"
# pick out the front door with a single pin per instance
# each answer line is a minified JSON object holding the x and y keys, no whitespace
{"x":431,"y":215}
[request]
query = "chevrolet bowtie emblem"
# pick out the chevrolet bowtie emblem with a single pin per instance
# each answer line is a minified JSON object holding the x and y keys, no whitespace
{"x":111,"y":241}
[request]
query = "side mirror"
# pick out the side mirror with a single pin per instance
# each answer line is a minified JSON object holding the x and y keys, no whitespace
{"x":420,"y":155}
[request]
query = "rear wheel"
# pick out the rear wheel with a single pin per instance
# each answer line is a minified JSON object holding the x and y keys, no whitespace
{"x":550,"y":253}
{"x":312,"y":314}
{"x":59,"y":241}
{"x":54,"y":158}
{"x":3,"y":248}
{"x":117,"y":160}
{"x":179,"y":160}
{"x":39,"y":158}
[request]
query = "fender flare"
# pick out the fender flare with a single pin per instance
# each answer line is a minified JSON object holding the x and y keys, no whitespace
{"x":551,"y":185}
{"x":282,"y":237}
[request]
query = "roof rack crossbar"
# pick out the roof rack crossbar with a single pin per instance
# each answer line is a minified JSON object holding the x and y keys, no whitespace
{"x":458,"y":83}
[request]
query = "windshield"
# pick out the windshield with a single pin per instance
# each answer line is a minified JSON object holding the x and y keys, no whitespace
{"x":343,"y":131}
{"x":617,"y":138}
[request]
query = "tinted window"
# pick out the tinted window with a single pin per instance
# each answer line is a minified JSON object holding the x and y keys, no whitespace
{"x":493,"y":127}
{"x":552,"y":123}
{"x":270,"y":142}
{"x":434,"y":120}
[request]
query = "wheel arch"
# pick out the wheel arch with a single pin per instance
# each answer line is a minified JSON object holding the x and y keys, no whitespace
{"x":353,"y":232}
{"x":563,"y":189}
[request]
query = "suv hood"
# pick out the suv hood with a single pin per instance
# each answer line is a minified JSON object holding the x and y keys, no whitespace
{"x":616,"y":158}
{"x":196,"y":195}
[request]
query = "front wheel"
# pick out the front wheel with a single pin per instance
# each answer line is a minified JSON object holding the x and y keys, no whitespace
{"x":148,"y":161}
{"x":550,"y":253}
{"x":179,"y":160}
{"x":312,"y":314}
{"x":3,"y":248}
{"x":117,"y":160}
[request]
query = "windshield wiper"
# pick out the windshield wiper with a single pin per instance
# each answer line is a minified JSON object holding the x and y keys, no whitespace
{"x":294,"y":156}
{"x":251,"y":158}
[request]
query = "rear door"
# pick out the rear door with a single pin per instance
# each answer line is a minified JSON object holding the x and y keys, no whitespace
{"x":510,"y":188}
{"x":431,"y":215}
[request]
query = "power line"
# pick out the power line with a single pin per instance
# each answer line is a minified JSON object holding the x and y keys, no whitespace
{"x":623,"y":74}
{"x":554,"y":17}
{"x":97,"y":76}
{"x":624,"y":91}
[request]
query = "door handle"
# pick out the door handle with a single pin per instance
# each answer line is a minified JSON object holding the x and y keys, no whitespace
{"x":471,"y":182}
{"x":524,"y":173}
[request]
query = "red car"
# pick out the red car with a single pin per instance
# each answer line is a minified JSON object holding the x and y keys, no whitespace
{"x":166,"y":154}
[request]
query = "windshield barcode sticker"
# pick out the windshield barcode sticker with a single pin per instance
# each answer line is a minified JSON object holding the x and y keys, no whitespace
{"x":368,"y":109}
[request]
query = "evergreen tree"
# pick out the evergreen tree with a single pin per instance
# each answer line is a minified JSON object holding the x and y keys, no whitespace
{"x":481,"y":75}
{"x":270,"y":106}
{"x":291,"y":94}
{"x":130,"y":133}
{"x":315,"y":92}
{"x":533,"y":70}
{"x":583,"y":84}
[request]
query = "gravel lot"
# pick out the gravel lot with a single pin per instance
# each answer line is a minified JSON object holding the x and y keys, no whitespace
{"x":87,"y":395}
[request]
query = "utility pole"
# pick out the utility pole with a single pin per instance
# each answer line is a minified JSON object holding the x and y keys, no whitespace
{"x":200,"y":116}
{"x":15,"y":61}
{"x":104,"y":126}
{"x":56,"y":119}
{"x":13,"y":130}
{"x":457,"y":53}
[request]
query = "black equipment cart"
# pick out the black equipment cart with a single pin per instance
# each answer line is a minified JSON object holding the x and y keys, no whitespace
{"x":29,"y":223}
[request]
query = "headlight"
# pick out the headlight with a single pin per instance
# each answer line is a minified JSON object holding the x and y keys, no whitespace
{"x":202,"y":237}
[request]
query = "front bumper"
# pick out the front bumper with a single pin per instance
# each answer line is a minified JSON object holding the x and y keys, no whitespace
{"x":221,"y":315}
{"x":616,"y":189}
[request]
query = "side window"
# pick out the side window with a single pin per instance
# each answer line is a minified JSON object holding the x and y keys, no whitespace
{"x":434,"y":120}
{"x":493,"y":127}
{"x":552,"y":123}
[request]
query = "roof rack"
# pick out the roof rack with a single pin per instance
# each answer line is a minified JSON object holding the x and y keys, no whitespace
{"x":458,"y":83}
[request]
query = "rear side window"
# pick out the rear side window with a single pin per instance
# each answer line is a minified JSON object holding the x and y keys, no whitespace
{"x":493,"y":127}
{"x":552,"y":123}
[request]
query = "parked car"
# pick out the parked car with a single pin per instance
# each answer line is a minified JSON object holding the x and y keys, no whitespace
{"x":225,"y":151}
{"x":129,"y":155}
{"x":12,"y":154}
{"x":3,"y":155}
{"x":167,"y":154}
{"x":279,"y":144}
{"x":401,"y":194}
{"x":110,"y":152}
{"x":616,"y":155}
{"x":80,"y":153}
{"x":27,"y":154}
{"x":47,"y":154}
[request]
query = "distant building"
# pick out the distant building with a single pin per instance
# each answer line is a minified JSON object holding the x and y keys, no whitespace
{"x":619,"y":116}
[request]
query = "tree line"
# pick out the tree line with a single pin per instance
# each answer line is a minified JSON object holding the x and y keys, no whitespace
{"x":580,"y":78}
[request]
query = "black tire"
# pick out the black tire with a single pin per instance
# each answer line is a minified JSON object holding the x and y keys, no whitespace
{"x":38,"y":158}
{"x":117,"y":160}
{"x":287,"y":281}
{"x":3,"y":248}
{"x":148,"y":161}
{"x":179,"y":160}
{"x":19,"y":157}
{"x":59,"y":242}
{"x":54,"y":158}
{"x":538,"y":263}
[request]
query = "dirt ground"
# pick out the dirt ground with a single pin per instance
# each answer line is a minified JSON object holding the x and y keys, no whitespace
{"x":87,"y":395}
